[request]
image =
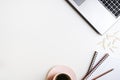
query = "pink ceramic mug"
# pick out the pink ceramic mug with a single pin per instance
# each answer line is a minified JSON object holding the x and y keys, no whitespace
{"x":61,"y":72}
{"x":61,"y":76}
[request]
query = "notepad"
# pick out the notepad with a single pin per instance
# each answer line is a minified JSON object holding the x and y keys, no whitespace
{"x":109,"y":63}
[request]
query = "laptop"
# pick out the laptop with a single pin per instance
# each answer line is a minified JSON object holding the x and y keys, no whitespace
{"x":100,"y":14}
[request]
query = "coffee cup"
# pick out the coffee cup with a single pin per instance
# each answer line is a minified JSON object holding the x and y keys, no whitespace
{"x":62,"y":76}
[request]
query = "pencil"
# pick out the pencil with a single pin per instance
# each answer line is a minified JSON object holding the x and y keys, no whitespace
{"x":96,"y":66}
{"x":103,"y":74}
{"x":92,"y":61}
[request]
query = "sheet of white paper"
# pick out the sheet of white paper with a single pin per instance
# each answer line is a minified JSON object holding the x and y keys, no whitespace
{"x":109,"y":63}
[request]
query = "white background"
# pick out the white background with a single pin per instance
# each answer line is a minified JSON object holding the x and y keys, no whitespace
{"x":35,"y":35}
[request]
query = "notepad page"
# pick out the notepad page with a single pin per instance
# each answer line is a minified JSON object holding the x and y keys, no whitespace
{"x":109,"y":63}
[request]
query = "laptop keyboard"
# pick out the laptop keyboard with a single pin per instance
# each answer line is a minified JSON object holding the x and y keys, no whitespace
{"x":112,"y":5}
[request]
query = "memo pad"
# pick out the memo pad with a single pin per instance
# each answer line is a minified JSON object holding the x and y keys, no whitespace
{"x":109,"y":63}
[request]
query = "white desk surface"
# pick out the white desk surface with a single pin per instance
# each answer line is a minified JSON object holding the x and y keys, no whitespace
{"x":35,"y":35}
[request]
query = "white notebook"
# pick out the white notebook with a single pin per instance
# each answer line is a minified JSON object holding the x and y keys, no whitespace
{"x":109,"y":63}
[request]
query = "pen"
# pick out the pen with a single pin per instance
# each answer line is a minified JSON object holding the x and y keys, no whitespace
{"x":96,"y":66}
{"x":102,"y":74}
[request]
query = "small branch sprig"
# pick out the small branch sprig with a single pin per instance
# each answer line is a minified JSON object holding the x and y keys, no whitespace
{"x":109,"y":41}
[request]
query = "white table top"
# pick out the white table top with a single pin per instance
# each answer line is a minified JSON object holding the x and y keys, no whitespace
{"x":35,"y":35}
